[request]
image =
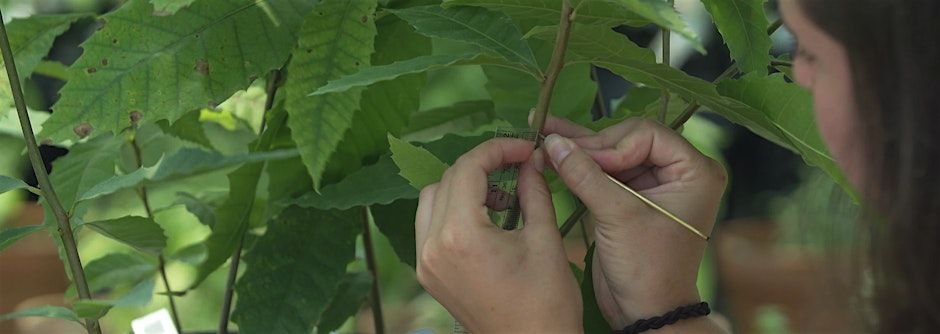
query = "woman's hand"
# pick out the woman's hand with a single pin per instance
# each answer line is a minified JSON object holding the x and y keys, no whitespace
{"x":645,"y":264}
{"x":493,"y":280}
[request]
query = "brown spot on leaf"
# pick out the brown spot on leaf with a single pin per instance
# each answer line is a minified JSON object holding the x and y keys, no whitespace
{"x":364,"y":19}
{"x":202,"y":66}
{"x":136,"y":115}
{"x":104,"y":62}
{"x":83,"y":130}
{"x":91,"y":70}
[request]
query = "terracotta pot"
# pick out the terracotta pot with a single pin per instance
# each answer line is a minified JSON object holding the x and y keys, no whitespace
{"x":754,"y":271}
{"x":30,"y":267}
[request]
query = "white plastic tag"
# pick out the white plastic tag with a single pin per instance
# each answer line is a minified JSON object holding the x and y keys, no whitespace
{"x":158,"y":322}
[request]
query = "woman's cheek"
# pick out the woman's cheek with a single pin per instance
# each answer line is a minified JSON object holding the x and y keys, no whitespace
{"x":838,"y":123}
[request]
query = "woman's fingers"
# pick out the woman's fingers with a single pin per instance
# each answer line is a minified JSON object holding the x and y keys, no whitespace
{"x":467,"y":182}
{"x":423,"y":215}
{"x":563,"y":127}
{"x":583,"y":176}
{"x":535,"y":200}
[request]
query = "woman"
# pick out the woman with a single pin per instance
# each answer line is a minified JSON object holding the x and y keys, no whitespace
{"x":873,"y":68}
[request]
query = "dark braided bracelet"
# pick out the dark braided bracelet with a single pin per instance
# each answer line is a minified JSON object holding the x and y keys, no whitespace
{"x":682,"y":312}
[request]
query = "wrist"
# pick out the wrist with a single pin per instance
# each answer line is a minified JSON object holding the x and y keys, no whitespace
{"x":659,"y":302}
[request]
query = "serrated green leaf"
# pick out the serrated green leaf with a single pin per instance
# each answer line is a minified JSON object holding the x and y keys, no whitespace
{"x":12,"y":235}
{"x":192,"y":59}
{"x":193,"y":254}
{"x":45,"y":311}
{"x":53,"y":69}
{"x":591,"y":12}
{"x":789,"y":109}
{"x":91,"y":309}
{"x":451,"y":147}
{"x":140,"y":295}
{"x":664,"y":15}
{"x":276,"y":295}
{"x":461,"y":117}
{"x":491,"y":30}
{"x":417,"y":165}
{"x":336,"y":40}
{"x":615,"y":43}
{"x":396,"y":222}
{"x":188,"y":128}
{"x":141,"y":233}
{"x":198,"y":207}
{"x":386,"y":106}
{"x":594,"y":321}
{"x":184,"y":163}
{"x":86,"y":165}
{"x":169,"y":7}
{"x":375,"y":184}
{"x":30,"y":40}
{"x":8,"y":183}
{"x":353,"y":290}
{"x":232,"y":219}
{"x":375,"y":74}
{"x":117,"y":269}
{"x":743,"y":25}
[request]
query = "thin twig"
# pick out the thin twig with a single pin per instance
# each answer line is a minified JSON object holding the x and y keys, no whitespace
{"x":573,"y":219}
{"x":555,"y":65}
{"x":230,"y":287}
{"x":35,"y":159}
{"x":376,"y":296}
{"x":584,"y":234}
{"x":667,"y":57}
{"x":142,"y":193}
{"x":274,"y":81}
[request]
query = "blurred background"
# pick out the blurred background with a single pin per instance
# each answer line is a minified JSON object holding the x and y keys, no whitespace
{"x":778,"y":261}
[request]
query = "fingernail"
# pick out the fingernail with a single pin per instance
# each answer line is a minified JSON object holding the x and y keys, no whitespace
{"x":531,"y":115}
{"x":538,"y":160}
{"x":558,"y":148}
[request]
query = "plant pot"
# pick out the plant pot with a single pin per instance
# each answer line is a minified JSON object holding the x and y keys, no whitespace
{"x":30,"y":267}
{"x":755,"y":271}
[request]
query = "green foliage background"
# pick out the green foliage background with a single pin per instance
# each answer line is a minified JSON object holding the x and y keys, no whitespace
{"x":274,"y":128}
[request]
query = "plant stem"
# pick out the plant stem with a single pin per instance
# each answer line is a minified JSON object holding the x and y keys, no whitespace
{"x":35,"y":159}
{"x":573,"y":219}
{"x":555,"y":66}
{"x":781,"y":63}
{"x":679,"y":121}
{"x":376,"y":296}
{"x":142,"y":193}
{"x":274,"y":81}
{"x":230,"y":287}
{"x":584,"y":235}
{"x":667,"y":57}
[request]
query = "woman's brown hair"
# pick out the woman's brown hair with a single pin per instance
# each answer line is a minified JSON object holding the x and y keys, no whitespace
{"x":894,"y":50}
